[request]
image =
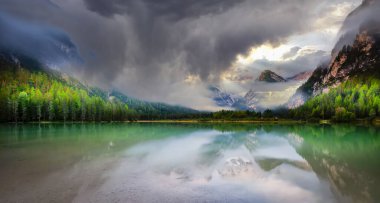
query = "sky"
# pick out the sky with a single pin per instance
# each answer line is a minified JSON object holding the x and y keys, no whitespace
{"x":172,"y":51}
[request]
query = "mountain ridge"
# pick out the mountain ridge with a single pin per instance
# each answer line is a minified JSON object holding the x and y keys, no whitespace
{"x":53,"y":96}
{"x":270,"y":76}
{"x":349,"y":60}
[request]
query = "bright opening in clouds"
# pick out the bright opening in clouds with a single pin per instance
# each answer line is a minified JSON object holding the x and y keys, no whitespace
{"x":165,"y":50}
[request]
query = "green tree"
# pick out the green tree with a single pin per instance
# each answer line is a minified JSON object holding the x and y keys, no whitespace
{"x":23,"y":101}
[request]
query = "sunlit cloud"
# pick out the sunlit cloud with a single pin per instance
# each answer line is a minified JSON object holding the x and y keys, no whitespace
{"x":265,"y":51}
{"x":161,"y":50}
{"x":192,"y":79}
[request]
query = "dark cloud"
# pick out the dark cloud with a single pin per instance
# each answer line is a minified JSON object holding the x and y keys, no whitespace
{"x":48,"y":45}
{"x":366,"y":16}
{"x":101,"y":42}
{"x":205,"y":35}
{"x":170,"y":9}
{"x":145,"y":47}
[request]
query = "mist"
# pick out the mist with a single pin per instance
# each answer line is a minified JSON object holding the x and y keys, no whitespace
{"x":159,"y":51}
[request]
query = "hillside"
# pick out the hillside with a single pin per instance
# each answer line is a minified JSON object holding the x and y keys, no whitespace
{"x":358,"y":97}
{"x":362,"y":58}
{"x":356,"y":55}
{"x":303,"y":76}
{"x":38,"y":95}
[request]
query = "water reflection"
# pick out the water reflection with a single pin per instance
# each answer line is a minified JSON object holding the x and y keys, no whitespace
{"x":191,"y":163}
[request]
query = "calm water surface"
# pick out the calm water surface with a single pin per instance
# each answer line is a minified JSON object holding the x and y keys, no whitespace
{"x":189,"y":163}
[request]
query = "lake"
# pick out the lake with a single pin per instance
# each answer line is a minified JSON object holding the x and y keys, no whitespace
{"x":150,"y":162}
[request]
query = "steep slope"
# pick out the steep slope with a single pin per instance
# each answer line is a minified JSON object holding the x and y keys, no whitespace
{"x":302,"y":76}
{"x":363,"y":16}
{"x":38,"y":95}
{"x":360,"y":59}
{"x":256,"y":97}
{"x":224,"y":99}
{"x":351,"y":58}
{"x":149,"y":110}
{"x":355,"y":98}
{"x":251,"y":99}
{"x":270,"y":76}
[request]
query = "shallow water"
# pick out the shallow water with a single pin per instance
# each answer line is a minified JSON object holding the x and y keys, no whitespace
{"x":189,"y":163}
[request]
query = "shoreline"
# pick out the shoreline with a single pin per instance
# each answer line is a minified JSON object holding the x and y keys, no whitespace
{"x":375,"y":122}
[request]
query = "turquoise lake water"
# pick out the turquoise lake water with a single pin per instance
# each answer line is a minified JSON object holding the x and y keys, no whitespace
{"x":142,"y":162}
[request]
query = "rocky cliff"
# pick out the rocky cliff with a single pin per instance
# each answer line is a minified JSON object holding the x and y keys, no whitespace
{"x":357,"y":57}
{"x":270,"y":76}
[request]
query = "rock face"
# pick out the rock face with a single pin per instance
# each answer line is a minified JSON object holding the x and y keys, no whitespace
{"x":270,"y":76}
{"x":251,"y":100}
{"x":363,"y":16}
{"x":356,"y":57}
{"x":360,"y":59}
{"x":224,"y":99}
{"x":303,"y":76}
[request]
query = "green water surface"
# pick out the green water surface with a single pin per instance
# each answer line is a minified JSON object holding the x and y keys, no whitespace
{"x":142,"y":162}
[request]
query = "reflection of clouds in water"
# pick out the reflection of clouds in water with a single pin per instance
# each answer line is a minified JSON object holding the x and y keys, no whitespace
{"x":172,"y":152}
{"x":175,"y":169}
{"x":277,"y":147}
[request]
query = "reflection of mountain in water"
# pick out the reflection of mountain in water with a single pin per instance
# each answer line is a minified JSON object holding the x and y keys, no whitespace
{"x":347,"y":157}
{"x":194,"y":163}
{"x":270,"y":164}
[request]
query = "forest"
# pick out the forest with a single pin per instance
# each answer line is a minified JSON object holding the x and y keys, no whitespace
{"x":357,"y":98}
{"x":34,"y":95}
{"x":28,"y":96}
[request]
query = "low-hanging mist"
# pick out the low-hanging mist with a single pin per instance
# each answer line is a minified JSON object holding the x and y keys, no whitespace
{"x":162,"y":50}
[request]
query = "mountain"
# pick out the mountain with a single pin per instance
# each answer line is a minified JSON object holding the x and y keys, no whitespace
{"x":38,"y":94}
{"x":224,"y":99}
{"x":221,"y":98}
{"x":270,"y":76}
{"x":362,"y":58}
{"x":363,"y":17}
{"x":359,"y":58}
{"x":251,"y":100}
{"x":302,"y":76}
{"x":145,"y":108}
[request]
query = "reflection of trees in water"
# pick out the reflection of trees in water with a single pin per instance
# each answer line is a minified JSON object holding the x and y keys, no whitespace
{"x":347,"y":156}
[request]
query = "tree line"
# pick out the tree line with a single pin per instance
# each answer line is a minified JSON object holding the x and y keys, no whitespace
{"x":358,"y":98}
{"x":355,"y":98}
{"x":36,"y":96}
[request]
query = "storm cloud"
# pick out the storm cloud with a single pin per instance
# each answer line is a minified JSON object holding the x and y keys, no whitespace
{"x":148,"y":48}
{"x":366,"y":16}
{"x":46,"y":44}
{"x":205,"y":36}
